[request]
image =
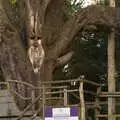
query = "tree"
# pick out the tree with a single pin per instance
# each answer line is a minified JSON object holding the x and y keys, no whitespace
{"x":55,"y":32}
{"x":111,"y":67}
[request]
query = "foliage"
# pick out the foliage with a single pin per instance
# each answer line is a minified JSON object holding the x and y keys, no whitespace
{"x":13,"y":1}
{"x":104,"y":2}
{"x":71,"y":8}
{"x":90,"y":58}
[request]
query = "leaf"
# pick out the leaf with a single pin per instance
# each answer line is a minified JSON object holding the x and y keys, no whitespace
{"x":13,"y":1}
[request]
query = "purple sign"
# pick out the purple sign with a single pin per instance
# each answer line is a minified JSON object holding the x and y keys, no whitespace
{"x":74,"y":111}
{"x":66,"y":113}
{"x":48,"y":112}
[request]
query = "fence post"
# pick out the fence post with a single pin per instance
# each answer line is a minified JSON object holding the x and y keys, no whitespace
{"x":97,"y":112}
{"x":43,"y":100}
{"x":33,"y":98}
{"x":82,"y":102}
{"x":65,"y":97}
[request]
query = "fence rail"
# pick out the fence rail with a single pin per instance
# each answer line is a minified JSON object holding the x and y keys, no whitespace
{"x":63,"y":89}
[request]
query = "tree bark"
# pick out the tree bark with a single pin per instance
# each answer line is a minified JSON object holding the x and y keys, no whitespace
{"x":111,"y":69}
{"x":56,"y":35}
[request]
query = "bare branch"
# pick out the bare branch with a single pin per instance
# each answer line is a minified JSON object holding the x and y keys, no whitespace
{"x":93,"y":15}
{"x":64,"y":59}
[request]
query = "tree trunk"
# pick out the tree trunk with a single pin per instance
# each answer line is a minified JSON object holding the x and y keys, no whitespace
{"x":56,"y":36}
{"x":111,"y":69}
{"x":111,"y":73}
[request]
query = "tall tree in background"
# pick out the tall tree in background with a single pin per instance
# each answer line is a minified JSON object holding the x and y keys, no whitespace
{"x":43,"y":22}
{"x":111,"y":67}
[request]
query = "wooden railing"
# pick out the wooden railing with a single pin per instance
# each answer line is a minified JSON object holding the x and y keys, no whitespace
{"x":106,"y":95}
{"x":63,"y":89}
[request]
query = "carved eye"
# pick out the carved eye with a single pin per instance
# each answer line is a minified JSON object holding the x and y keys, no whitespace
{"x":39,"y":37}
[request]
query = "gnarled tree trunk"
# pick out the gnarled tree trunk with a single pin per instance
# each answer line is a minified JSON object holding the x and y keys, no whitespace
{"x":55,"y":34}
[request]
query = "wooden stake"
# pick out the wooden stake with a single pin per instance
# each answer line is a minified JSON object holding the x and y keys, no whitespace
{"x":65,"y":97}
{"x":97,"y":111}
{"x":82,"y":102}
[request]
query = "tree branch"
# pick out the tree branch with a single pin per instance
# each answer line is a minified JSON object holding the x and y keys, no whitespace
{"x":93,"y":15}
{"x":13,"y":57}
{"x":64,"y":59}
{"x":53,"y":20}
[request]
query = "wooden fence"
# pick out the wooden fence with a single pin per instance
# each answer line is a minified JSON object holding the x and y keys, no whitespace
{"x":59,"y":87}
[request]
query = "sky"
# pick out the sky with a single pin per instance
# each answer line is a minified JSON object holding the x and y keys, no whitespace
{"x":87,"y":2}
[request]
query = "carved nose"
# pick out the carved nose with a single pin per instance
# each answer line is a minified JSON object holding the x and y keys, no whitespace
{"x":35,"y":44}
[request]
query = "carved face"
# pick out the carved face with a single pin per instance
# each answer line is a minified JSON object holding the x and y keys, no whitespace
{"x":36,"y":54}
{"x":35,"y":43}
